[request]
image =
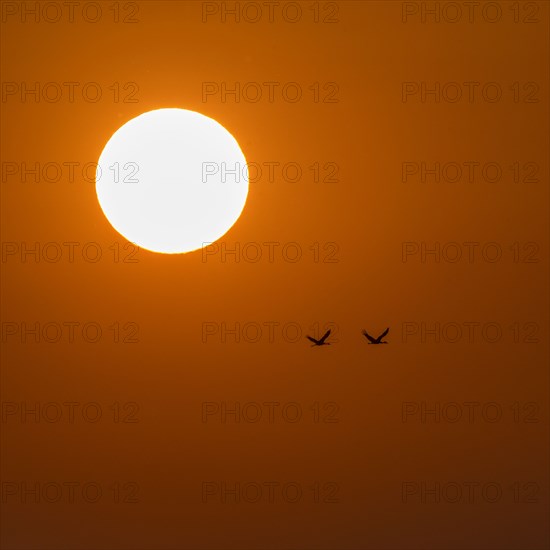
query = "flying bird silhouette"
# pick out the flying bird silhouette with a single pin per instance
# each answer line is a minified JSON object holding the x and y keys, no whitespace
{"x":320,"y":342}
{"x":376,"y":340}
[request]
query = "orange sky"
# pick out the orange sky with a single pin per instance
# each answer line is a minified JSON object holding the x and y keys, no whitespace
{"x":378,"y":113}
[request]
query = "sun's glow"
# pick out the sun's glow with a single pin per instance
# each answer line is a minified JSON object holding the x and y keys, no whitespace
{"x":172,"y":180}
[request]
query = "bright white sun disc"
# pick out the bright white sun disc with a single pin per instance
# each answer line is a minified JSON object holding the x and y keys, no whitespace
{"x":172,"y":180}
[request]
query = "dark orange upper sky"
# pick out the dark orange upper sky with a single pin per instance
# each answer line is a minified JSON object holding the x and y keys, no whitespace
{"x":422,"y":205}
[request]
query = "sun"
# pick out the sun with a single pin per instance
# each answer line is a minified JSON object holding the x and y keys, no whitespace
{"x":172,"y":180}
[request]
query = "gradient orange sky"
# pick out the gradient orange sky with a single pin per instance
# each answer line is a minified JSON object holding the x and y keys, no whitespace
{"x":378,"y":431}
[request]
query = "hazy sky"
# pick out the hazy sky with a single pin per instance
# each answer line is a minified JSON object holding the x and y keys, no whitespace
{"x":401,"y":180}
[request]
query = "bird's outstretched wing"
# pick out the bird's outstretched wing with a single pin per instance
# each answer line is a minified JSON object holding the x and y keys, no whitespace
{"x":325,"y":336}
{"x":384,"y":333}
{"x":369,"y":337}
{"x":313,"y":340}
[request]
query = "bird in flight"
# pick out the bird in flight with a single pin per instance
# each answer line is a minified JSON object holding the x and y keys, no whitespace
{"x":376,"y":340}
{"x":320,"y":342}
